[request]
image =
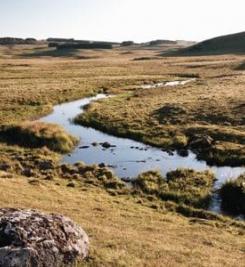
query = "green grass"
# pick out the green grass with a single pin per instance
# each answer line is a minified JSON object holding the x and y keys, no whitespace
{"x":182,"y":186}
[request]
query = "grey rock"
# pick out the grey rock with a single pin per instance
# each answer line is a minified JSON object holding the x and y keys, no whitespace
{"x":29,"y":238}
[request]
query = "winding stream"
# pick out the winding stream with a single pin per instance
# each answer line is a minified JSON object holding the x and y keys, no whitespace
{"x":127,"y":157}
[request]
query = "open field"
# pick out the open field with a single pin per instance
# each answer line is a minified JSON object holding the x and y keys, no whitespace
{"x":127,"y":228}
{"x":125,"y":232}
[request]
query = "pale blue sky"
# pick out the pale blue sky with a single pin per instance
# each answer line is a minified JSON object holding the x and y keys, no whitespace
{"x":118,"y":20}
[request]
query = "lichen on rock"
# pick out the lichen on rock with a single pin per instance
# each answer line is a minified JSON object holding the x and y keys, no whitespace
{"x":30,"y":238}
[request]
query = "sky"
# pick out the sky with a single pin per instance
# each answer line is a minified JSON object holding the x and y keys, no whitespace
{"x":120,"y":20}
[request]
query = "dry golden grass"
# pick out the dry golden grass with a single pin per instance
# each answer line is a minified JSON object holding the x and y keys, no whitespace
{"x":124,"y":233}
{"x":170,"y":117}
{"x":38,"y":134}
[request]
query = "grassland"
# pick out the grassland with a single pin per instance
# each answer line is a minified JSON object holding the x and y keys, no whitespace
{"x":206,"y":116}
{"x":124,"y":233}
{"x":126,"y":227}
{"x":227,"y":44}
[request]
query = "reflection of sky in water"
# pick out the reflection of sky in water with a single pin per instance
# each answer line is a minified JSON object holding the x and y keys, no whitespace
{"x":127,"y":161}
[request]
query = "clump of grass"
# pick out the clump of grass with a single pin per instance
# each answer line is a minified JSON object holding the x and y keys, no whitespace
{"x":241,"y":66}
{"x":92,"y":175}
{"x":182,"y":186}
{"x":233,"y":195}
{"x":38,"y":134}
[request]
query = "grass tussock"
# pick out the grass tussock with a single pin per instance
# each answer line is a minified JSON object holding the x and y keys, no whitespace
{"x":182,"y":186}
{"x":233,"y":195}
{"x":92,"y":175}
{"x":38,"y":134}
{"x":241,"y":66}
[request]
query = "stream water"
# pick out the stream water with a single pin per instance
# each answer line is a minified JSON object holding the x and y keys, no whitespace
{"x":166,"y":84}
{"x":127,"y":157}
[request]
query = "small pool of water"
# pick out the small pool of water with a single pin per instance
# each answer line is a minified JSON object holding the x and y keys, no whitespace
{"x":127,"y":157}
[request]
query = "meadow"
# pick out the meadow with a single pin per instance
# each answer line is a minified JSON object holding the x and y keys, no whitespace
{"x":145,"y":225}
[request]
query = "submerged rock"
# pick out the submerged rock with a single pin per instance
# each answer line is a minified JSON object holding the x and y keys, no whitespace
{"x":94,"y":144}
{"x":107,"y":145}
{"x":33,"y":239}
{"x":183,"y":152}
{"x":83,"y":147}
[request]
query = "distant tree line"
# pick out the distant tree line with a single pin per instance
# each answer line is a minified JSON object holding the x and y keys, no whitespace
{"x":70,"y":43}
{"x":61,"y":43}
{"x":127,"y":43}
{"x":159,"y":42}
{"x":13,"y":41}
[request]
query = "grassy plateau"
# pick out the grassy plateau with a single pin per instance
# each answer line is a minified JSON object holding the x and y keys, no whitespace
{"x":154,"y":221}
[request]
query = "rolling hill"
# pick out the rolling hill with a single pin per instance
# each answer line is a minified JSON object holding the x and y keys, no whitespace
{"x":227,"y":44}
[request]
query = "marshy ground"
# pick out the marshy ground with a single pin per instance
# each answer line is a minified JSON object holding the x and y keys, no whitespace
{"x":146,"y":225}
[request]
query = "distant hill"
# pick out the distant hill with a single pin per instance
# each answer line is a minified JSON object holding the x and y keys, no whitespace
{"x":160,"y":45}
{"x":227,"y":44}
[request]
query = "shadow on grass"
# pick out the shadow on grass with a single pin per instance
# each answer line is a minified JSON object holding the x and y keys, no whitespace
{"x":66,"y":52}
